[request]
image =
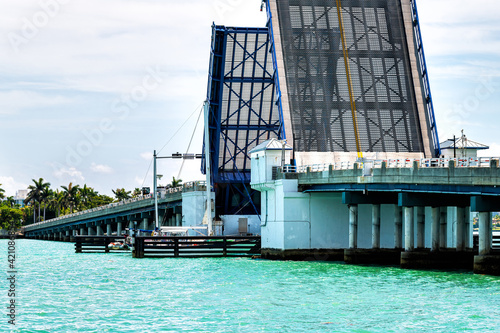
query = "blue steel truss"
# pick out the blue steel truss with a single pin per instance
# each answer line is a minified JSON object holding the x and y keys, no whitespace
{"x":425,"y":79}
{"x":242,"y":102}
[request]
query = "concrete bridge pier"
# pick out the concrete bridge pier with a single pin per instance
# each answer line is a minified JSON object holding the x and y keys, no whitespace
{"x":109,"y":229}
{"x":353,"y":226}
{"x":99,"y":231}
{"x":178,"y":219}
{"x":90,"y":231}
{"x":145,"y":223}
{"x":82,"y":231}
{"x":485,"y":233}
{"x":119,"y":228}
{"x":409,"y":229}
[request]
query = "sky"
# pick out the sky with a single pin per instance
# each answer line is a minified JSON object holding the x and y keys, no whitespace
{"x":89,"y":89}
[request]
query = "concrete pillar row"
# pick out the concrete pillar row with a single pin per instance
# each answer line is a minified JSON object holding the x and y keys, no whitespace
{"x":460,"y":234}
{"x":398,"y":227}
{"x":376,"y":226}
{"x":409,"y":229}
{"x":109,"y":229}
{"x":436,"y":216}
{"x":420,"y":227}
{"x":353,"y":226}
{"x":485,"y":233}
{"x":443,"y":228}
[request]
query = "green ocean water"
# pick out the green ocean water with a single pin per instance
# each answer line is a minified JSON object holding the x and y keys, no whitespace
{"x":60,"y":291}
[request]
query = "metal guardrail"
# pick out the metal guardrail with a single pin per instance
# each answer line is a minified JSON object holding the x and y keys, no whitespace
{"x":474,"y":162}
{"x":190,"y":186}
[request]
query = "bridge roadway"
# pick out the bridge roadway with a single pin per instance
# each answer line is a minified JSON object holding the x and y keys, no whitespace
{"x":115,"y":217}
{"x":426,"y":207}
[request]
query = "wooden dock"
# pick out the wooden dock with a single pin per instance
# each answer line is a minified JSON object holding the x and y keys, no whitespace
{"x":178,"y":246}
{"x":96,"y":244}
{"x":196,"y":246}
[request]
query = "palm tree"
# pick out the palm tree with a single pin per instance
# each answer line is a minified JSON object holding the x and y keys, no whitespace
{"x":2,"y":191}
{"x":86,"y":196}
{"x":10,"y":202}
{"x":71,"y":195}
{"x":36,"y":194}
{"x":137,"y":192}
{"x":176,"y":182}
{"x":121,"y":194}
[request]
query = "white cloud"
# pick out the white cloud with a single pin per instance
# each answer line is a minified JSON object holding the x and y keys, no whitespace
{"x":101,"y":168}
{"x":146,"y":155}
{"x":11,"y":186}
{"x":494,"y":150}
{"x":70,"y":174}
{"x":13,"y":101}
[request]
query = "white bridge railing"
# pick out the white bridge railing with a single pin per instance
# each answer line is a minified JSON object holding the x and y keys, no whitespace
{"x":473,"y":162}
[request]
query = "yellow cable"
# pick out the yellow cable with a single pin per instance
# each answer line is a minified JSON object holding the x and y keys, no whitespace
{"x":348,"y":74}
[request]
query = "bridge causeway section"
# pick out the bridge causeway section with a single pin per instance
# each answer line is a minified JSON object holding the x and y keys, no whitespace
{"x":114,"y":218}
{"x":416,"y":213}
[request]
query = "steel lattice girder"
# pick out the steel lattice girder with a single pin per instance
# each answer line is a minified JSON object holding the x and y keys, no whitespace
{"x":242,"y":103}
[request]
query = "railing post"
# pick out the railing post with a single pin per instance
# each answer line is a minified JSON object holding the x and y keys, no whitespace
{"x":106,"y":240}
{"x":78,"y":245}
{"x":176,"y":247}
{"x":224,"y":247}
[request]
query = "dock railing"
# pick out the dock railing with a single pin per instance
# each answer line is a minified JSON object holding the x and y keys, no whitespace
{"x":196,"y":246}
{"x":96,"y":244}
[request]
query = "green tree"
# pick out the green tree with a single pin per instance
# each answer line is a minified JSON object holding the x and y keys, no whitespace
{"x":70,"y":196}
{"x":137,"y":192}
{"x":10,"y":218}
{"x":176,"y":182}
{"x":2,"y":191}
{"x":36,"y":195}
{"x":121,"y":194}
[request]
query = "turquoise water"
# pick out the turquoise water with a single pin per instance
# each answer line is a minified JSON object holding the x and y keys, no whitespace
{"x":60,"y":291}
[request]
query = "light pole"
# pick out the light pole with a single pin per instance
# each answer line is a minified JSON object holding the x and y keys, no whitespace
{"x":155,"y":176}
{"x":208,"y":169}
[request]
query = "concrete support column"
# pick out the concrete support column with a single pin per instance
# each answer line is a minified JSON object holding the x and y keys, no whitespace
{"x":60,"y":235}
{"x":178,"y":220}
{"x":119,"y":229}
{"x":109,"y":230}
{"x":485,"y":233}
{"x":145,"y":222}
{"x":100,"y":232}
{"x":409,"y":229}
{"x":436,"y":216}
{"x":420,"y":227}
{"x":90,"y":231}
{"x":443,"y":228}
{"x":376,"y":226}
{"x":398,"y":227}
{"x":468,"y":228}
{"x":82,"y":231}
{"x":460,"y":234}
{"x":353,"y":226}
{"x":67,"y":233}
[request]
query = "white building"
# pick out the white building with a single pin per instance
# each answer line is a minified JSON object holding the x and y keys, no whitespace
{"x":461,"y":147}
